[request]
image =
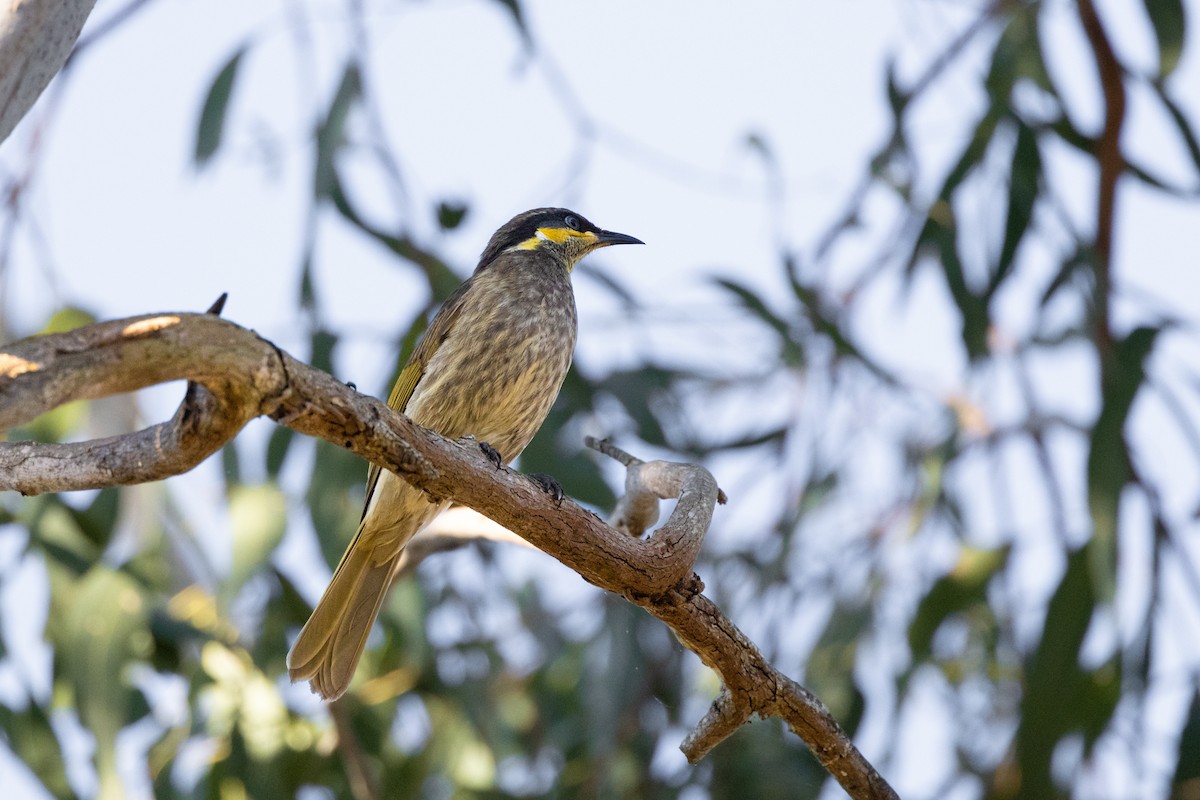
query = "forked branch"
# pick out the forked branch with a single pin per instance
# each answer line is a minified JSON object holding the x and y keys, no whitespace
{"x":237,"y":376}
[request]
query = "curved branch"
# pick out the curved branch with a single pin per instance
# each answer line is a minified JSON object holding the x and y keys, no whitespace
{"x":243,"y":376}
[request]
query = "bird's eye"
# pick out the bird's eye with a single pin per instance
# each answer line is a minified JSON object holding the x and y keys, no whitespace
{"x":572,"y":222}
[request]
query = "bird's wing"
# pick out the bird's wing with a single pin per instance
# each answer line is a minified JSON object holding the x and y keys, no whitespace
{"x":439,"y":329}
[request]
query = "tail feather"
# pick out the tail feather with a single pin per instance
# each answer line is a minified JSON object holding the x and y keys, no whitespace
{"x":327,"y":651}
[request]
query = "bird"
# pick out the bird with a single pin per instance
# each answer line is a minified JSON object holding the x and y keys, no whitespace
{"x":489,"y":365}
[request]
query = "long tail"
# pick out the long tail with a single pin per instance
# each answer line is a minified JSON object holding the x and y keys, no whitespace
{"x":327,"y":651}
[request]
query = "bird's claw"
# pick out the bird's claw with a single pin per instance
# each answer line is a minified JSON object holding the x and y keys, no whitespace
{"x":493,"y":455}
{"x":549,"y":484}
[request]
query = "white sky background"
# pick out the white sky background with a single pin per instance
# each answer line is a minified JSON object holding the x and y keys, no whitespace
{"x":128,"y":225}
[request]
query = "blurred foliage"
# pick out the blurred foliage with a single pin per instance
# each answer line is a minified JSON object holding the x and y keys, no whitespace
{"x":480,"y":685}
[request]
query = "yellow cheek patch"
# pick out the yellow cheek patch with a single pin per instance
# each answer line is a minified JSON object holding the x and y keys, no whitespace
{"x":561,"y":235}
{"x":556,"y":235}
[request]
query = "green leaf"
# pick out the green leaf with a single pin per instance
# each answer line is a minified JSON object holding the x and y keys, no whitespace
{"x":1169,"y":23}
{"x":1024,"y":176}
{"x":97,"y":520}
{"x":231,"y":465}
{"x":1054,"y":683}
{"x":897,"y":98}
{"x":277,"y":449}
{"x":451,"y":214}
{"x":331,"y":133}
{"x":1101,"y":693}
{"x":106,"y":628}
{"x":332,"y":502}
{"x":1108,"y":469}
{"x":1186,"y":782}
{"x":963,"y":588}
{"x":31,"y":738}
{"x":792,"y":350}
{"x":829,"y":670}
{"x":321,"y":346}
{"x":259,"y":518}
{"x":308,"y":291}
{"x":442,"y":280}
{"x":939,"y":238}
{"x":641,"y":392}
{"x":68,"y":319}
{"x":555,"y":450}
{"x":1181,"y":122}
{"x":211,"y":128}
{"x":55,"y":530}
{"x":973,"y":153}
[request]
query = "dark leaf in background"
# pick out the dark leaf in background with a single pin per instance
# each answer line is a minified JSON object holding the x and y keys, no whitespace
{"x":308,"y":295}
{"x":55,"y":532}
{"x":939,"y":239}
{"x":259,"y":517}
{"x":1186,"y":130}
{"x":1055,"y":684}
{"x":642,"y":393}
{"x":962,"y":589}
{"x":331,"y":135}
{"x":558,"y":450}
{"x":1023,"y":177}
{"x":97,"y":520}
{"x":231,"y":465}
{"x":1185,"y":785}
{"x":791,"y":349}
{"x":830,"y":666}
{"x":442,"y":280}
{"x":450,"y":214}
{"x":334,"y":498}
{"x":27,"y":732}
{"x":211,"y":128}
{"x":973,"y":153}
{"x":1108,"y":469}
{"x":278,"y":445}
{"x":1167,"y":17}
{"x":1073,"y":265}
{"x":105,"y":630}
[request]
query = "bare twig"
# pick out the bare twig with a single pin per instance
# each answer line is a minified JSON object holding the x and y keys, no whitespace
{"x":1112,"y":164}
{"x":239,"y":376}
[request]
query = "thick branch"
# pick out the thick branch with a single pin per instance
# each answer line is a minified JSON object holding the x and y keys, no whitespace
{"x":243,"y":376}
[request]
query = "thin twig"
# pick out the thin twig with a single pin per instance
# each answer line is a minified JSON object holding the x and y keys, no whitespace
{"x":1112,"y":163}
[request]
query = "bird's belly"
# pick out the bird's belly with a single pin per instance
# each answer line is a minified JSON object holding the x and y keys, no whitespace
{"x":496,"y":388}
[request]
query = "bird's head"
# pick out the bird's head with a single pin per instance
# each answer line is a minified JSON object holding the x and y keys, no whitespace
{"x":563,"y":233}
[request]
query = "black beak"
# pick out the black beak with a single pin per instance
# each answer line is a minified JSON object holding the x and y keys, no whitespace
{"x":606,"y":238}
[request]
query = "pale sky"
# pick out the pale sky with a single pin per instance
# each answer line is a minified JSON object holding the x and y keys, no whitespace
{"x":128,"y":226}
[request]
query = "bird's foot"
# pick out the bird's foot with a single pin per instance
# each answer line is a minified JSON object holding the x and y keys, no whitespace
{"x":493,"y":455}
{"x":549,"y":484}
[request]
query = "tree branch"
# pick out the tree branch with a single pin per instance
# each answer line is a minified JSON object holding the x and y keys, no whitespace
{"x":1112,"y":164}
{"x":240,"y":375}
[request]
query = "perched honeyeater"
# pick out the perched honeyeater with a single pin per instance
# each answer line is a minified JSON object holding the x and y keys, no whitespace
{"x":489,"y":365}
